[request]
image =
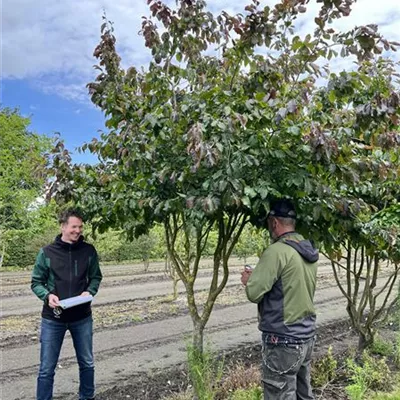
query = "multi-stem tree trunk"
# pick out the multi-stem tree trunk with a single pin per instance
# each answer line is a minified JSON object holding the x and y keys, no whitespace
{"x":367,"y":288}
{"x":146,"y":264}
{"x":185,"y":259}
{"x":170,"y":271}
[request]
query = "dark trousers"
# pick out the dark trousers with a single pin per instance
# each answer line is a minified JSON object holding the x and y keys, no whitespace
{"x":287,"y":369}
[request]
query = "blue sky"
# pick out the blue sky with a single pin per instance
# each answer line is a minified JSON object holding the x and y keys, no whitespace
{"x":52,"y":113}
{"x":47,"y":48}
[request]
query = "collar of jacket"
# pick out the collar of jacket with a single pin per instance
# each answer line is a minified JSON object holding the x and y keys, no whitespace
{"x":284,"y":235}
{"x":68,"y":246}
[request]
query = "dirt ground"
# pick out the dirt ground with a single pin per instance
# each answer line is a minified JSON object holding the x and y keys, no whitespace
{"x":140,"y":335}
{"x":159,"y":384}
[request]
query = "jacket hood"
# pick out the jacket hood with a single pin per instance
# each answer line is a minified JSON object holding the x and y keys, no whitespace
{"x":304,"y":247}
{"x":66,"y":245}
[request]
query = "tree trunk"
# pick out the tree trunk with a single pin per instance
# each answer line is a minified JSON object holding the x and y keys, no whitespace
{"x":198,"y":337}
{"x":186,"y":265}
{"x":365,"y":340}
{"x":362,"y":306}
{"x":171,"y":273}
{"x":3,"y":251}
{"x":175,"y":289}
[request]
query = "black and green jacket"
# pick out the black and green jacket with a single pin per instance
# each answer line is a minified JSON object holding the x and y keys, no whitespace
{"x":66,"y":270}
{"x":283,"y":285}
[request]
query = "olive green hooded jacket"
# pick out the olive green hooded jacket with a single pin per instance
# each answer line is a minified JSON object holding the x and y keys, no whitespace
{"x":283,"y":285}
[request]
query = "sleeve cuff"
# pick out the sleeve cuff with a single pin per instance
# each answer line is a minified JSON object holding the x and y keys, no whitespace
{"x":46,"y":299}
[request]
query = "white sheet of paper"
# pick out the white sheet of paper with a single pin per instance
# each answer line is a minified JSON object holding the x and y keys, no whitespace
{"x":75,"y":301}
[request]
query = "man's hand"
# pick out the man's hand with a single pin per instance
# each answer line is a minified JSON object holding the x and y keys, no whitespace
{"x":85,"y":294}
{"x":53,"y":301}
{"x":245,"y":276}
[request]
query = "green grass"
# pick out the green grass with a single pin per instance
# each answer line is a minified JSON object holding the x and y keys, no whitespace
{"x":387,"y":396}
{"x":15,"y":268}
{"x":254,"y":393}
{"x":205,"y":371}
{"x":381,"y":347}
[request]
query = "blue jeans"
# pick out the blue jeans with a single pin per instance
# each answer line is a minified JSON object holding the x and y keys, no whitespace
{"x":51,"y":339}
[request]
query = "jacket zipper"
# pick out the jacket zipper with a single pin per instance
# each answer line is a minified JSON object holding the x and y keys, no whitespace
{"x":70,"y":272}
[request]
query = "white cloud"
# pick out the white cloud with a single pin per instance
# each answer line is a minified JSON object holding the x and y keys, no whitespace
{"x":74,"y":91}
{"x":51,"y":43}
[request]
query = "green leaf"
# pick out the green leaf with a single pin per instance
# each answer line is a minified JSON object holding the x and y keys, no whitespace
{"x":332,"y":96}
{"x":227,"y":110}
{"x":246,"y":201}
{"x":250,"y":192}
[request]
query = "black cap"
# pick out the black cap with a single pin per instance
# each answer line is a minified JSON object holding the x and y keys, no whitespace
{"x":282,"y":208}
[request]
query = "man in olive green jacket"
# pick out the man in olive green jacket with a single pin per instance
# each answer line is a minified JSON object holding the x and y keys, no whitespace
{"x":283,"y":285}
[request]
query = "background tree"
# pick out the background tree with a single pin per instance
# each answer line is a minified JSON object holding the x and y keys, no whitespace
{"x":143,"y":247}
{"x":252,"y":242}
{"x":354,"y":211}
{"x":216,"y":125}
{"x":22,"y":173}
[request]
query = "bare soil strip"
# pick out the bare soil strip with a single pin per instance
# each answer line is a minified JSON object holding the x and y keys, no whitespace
{"x":118,"y":271}
{"x":19,"y":332}
{"x":143,"y":348}
{"x":127,"y":289}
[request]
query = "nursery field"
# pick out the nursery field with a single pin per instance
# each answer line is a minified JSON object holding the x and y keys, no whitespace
{"x":140,"y":333}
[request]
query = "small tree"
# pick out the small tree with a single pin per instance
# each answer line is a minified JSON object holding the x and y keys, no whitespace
{"x":108,"y":245}
{"x":251,"y":243}
{"x":143,"y":247}
{"x":172,"y":273}
{"x":215,"y":126}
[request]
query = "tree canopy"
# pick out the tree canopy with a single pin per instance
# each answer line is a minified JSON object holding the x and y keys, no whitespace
{"x":232,"y":111}
{"x":23,"y":169}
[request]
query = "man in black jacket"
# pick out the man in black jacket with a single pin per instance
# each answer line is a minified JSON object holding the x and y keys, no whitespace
{"x":66,"y":268}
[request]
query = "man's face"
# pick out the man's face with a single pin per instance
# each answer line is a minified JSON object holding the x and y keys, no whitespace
{"x":71,"y":230}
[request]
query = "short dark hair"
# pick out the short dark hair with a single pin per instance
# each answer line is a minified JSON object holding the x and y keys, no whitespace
{"x":70,"y":212}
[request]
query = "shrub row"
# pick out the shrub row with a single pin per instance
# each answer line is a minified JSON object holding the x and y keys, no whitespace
{"x":23,"y":245}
